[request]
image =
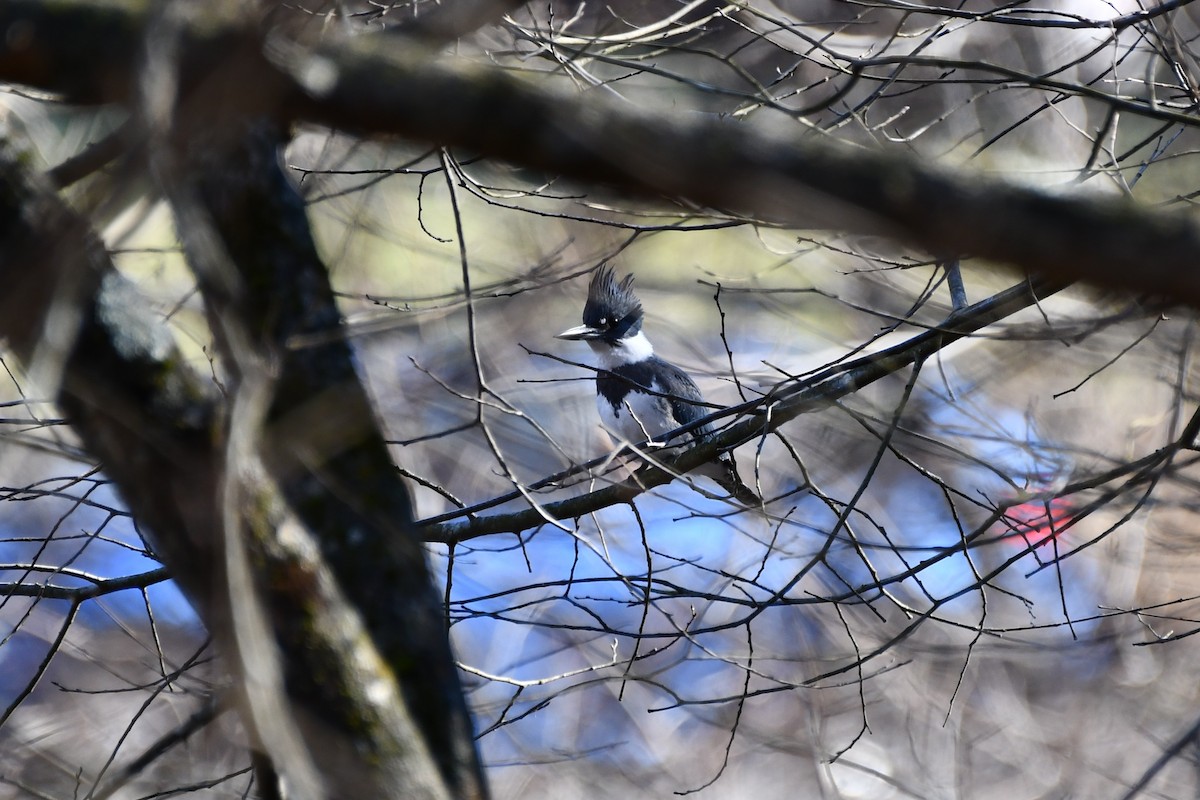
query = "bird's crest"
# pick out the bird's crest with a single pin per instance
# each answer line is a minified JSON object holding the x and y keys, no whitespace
{"x":610,"y":302}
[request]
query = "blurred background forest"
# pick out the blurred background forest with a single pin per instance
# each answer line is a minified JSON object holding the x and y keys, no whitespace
{"x":972,"y":577}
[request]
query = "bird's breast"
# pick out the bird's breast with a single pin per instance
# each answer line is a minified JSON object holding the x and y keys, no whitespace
{"x":635,"y":416}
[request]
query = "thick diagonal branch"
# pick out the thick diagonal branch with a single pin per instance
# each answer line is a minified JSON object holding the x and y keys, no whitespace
{"x":761,"y":416}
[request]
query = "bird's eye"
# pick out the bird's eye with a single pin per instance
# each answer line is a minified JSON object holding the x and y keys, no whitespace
{"x":603,"y":321}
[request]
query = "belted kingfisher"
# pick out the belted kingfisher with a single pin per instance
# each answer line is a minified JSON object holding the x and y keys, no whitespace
{"x":641,"y":397}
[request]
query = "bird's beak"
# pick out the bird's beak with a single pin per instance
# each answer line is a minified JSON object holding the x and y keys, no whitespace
{"x":583,"y":332}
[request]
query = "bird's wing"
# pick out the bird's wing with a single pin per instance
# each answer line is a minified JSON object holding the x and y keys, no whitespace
{"x":685,"y":398}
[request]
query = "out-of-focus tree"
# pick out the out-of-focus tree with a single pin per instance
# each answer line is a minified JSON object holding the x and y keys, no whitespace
{"x":299,"y":495}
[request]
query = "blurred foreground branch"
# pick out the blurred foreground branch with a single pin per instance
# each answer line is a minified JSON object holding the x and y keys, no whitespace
{"x":362,"y":653}
{"x":383,"y":85}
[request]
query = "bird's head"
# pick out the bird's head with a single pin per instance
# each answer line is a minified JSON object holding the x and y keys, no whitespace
{"x":612,"y":314}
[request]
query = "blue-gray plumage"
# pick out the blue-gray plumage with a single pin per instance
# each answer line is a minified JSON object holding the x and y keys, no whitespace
{"x":640,"y":396}
{"x":672,"y":399}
